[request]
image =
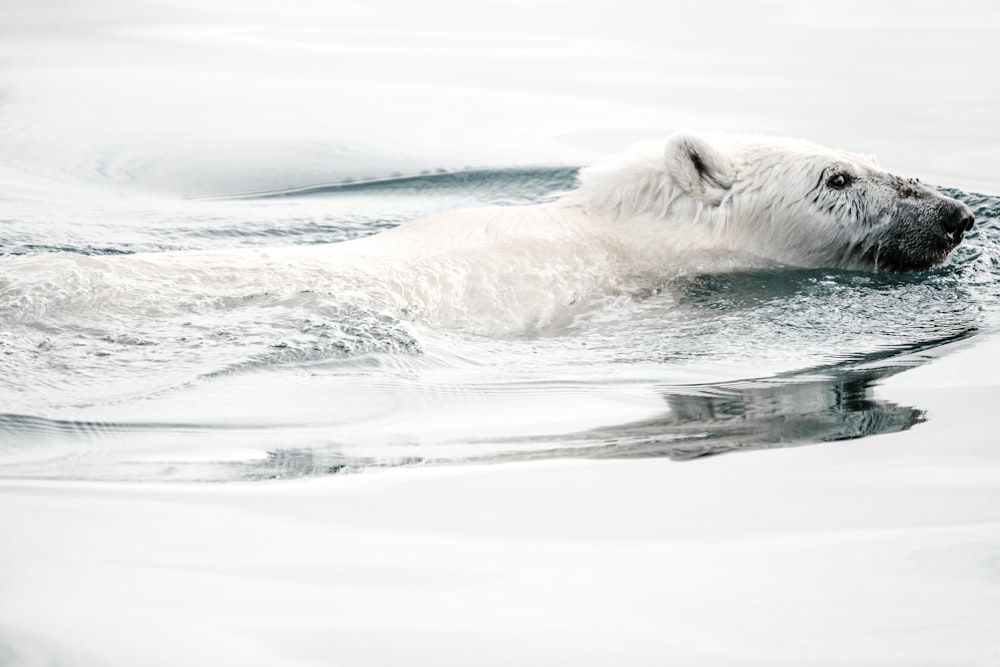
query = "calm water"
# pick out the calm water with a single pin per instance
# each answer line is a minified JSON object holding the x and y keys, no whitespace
{"x":158,"y":130}
{"x":112,"y":376}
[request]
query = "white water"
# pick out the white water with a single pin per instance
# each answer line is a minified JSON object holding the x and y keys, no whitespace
{"x":124,"y":392}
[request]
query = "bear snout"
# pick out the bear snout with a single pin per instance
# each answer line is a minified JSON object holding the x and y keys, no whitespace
{"x":958,"y":221}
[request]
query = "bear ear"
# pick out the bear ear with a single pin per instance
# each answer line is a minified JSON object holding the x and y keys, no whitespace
{"x":698,"y":168}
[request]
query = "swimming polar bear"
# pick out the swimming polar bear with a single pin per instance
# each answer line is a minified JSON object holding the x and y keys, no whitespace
{"x":690,"y":203}
{"x":781,"y":200}
{"x":696,"y":196}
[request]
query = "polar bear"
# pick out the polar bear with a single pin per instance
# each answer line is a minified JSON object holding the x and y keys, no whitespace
{"x":693,"y":202}
{"x":697,"y":195}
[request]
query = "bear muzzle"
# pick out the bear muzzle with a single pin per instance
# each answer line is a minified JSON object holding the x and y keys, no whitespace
{"x":957,"y":222}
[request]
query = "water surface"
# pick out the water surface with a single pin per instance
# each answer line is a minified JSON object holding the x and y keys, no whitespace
{"x":170,"y":371}
{"x":215,"y":462}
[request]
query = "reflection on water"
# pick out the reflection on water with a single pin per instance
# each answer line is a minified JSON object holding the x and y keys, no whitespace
{"x":819,"y":405}
{"x":700,"y":421}
{"x":766,"y":414}
{"x":808,"y":408}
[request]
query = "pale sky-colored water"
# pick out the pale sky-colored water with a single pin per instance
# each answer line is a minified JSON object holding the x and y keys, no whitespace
{"x":216,"y":95}
{"x":880,"y":550}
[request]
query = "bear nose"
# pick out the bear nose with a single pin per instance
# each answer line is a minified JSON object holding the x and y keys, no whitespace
{"x":958,"y":221}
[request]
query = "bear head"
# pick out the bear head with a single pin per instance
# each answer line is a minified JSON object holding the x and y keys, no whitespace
{"x":784,"y":200}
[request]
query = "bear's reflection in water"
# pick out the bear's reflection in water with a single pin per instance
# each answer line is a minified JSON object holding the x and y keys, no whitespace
{"x":758,"y":415}
{"x":809,"y":407}
{"x":806,"y":408}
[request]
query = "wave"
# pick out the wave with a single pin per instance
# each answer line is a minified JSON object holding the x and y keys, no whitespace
{"x":517,"y":185}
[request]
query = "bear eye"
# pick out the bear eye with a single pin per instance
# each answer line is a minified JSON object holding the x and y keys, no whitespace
{"x":838,"y":181}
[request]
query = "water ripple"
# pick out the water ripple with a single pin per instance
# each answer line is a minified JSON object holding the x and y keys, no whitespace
{"x":197,"y":370}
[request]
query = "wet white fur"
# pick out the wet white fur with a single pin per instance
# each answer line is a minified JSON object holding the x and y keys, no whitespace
{"x":632,"y":222}
{"x":761,"y":200}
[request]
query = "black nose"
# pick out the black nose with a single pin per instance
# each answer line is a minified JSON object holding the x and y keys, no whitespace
{"x":959,"y":220}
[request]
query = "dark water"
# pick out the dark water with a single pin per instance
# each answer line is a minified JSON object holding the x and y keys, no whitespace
{"x":206,"y":380}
